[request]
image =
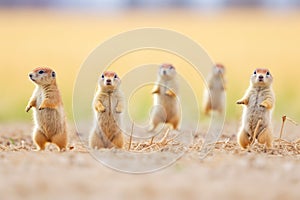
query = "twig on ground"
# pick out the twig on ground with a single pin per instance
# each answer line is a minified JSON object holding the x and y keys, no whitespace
{"x":282,"y":126}
{"x":130,"y":139}
{"x":163,"y":141}
{"x":284,"y":118}
{"x":255,"y":133}
{"x":151,"y":141}
{"x":292,"y":121}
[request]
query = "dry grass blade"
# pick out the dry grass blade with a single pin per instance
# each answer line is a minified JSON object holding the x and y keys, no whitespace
{"x":137,"y":147}
{"x":255,"y":132}
{"x":151,"y":141}
{"x":282,"y":126}
{"x":172,"y":139}
{"x":281,"y":140}
{"x":292,"y":121}
{"x":284,"y":118}
{"x":163,"y":141}
{"x":149,"y":147}
{"x":3,"y":147}
{"x":130,"y":139}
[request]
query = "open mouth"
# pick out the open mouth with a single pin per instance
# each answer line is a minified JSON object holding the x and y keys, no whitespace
{"x":261,"y":80}
{"x":108,"y":83}
{"x":32,"y":79}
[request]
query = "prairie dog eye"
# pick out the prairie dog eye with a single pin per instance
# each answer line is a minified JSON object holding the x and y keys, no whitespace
{"x":255,"y":73}
{"x":268,"y":74}
{"x":171,"y":67}
{"x":102,"y":76}
{"x":53,"y":74}
{"x":41,"y":72}
{"x":116,"y":76}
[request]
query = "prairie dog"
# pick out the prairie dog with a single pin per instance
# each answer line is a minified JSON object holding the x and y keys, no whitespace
{"x":214,"y":95}
{"x":107,"y":106}
{"x":258,"y":105}
{"x":49,"y":115}
{"x":166,"y":102}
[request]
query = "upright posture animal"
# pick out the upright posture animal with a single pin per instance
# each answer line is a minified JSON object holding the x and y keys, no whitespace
{"x":166,"y":101}
{"x":214,"y":98}
{"x":258,"y":105}
{"x":49,"y":116}
{"x":108,"y":106}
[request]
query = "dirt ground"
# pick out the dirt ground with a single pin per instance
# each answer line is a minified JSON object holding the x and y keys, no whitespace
{"x":227,"y":173}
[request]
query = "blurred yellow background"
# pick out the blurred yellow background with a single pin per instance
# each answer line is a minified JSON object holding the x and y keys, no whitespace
{"x":241,"y":39}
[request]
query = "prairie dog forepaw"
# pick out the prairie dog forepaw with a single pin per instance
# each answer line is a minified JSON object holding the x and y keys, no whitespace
{"x":242,"y":102}
{"x":41,"y":107}
{"x":170,"y":93}
{"x":28,"y":108}
{"x":47,"y":104}
{"x":263,"y":105}
{"x":266,"y":104}
{"x":100,"y":108}
{"x":155,"y":90}
{"x":119,"y":109}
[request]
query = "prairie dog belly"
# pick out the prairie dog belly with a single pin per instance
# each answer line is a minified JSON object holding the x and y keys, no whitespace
{"x":217,"y":98}
{"x":50,"y":121}
{"x":170,"y":105}
{"x":254,"y":112}
{"x":109,"y":121}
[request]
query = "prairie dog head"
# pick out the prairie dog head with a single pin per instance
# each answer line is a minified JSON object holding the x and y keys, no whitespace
{"x":261,"y":77}
{"x":43,"y":76}
{"x":167,"y":71}
{"x":109,"y":81}
{"x":218,"y":70}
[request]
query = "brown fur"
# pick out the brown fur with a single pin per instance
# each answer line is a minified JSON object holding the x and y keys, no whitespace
{"x":214,"y":96}
{"x":259,"y":102}
{"x":166,"y":102}
{"x":49,"y":116}
{"x":107,"y":106}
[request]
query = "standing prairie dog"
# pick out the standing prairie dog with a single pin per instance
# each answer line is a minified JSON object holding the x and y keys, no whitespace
{"x":214,"y":95}
{"x":258,"y":105}
{"x":49,"y":116}
{"x":107,"y":106}
{"x":166,"y":101}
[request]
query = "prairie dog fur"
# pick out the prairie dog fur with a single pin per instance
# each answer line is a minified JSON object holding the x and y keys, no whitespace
{"x":107,"y":106}
{"x":49,"y":116}
{"x":214,"y":96}
{"x":258,"y":105}
{"x":166,"y":101}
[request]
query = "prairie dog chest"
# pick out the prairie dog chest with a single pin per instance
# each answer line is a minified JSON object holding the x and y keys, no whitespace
{"x":109,"y":100}
{"x":110,"y":118}
{"x":254,"y":109}
{"x":39,"y":96}
{"x":216,"y":84}
{"x":168,"y":85}
{"x":170,"y":103}
{"x":256,"y":97}
{"x":163,"y":88}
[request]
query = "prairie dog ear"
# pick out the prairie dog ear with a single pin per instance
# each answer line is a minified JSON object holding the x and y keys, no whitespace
{"x":53,"y":74}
